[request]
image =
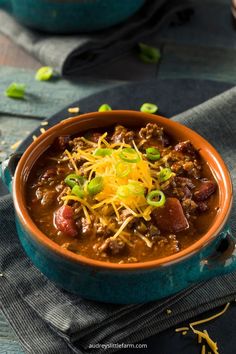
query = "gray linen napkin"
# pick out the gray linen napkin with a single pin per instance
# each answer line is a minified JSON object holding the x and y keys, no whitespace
{"x":75,"y":54}
{"x":49,"y":320}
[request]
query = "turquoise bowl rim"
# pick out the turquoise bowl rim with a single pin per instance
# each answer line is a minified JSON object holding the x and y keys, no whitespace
{"x":85,"y":121}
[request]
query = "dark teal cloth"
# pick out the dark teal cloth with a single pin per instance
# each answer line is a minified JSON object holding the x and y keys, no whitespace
{"x":75,"y":54}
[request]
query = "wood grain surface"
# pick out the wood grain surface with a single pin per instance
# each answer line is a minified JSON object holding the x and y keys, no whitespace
{"x":12,"y":55}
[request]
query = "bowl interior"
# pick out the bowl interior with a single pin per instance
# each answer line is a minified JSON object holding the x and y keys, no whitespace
{"x":130,"y":119}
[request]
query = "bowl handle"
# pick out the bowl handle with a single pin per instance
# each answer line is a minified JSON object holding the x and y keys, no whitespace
{"x":5,"y":5}
{"x":7,"y":169}
{"x":224,"y":256}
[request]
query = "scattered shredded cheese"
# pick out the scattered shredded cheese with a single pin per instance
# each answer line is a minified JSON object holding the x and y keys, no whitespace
{"x":91,"y":143}
{"x":82,"y":201}
{"x":123,"y":238}
{"x":86,"y":214}
{"x":44,"y":123}
{"x":204,"y":334}
{"x":42,"y":130}
{"x":125,"y":223}
{"x":72,"y":161}
{"x":212,"y":317}
{"x":73,"y":110}
{"x":16,"y":144}
{"x":115,"y":210}
{"x":145,"y":239}
{"x":181,"y":329}
{"x":210,"y":342}
{"x":34,"y":137}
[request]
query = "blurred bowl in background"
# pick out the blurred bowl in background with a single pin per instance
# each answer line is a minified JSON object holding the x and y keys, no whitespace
{"x":71,"y":16}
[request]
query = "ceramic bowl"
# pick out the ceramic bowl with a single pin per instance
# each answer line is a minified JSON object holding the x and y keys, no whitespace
{"x":211,"y":255}
{"x":71,"y":16}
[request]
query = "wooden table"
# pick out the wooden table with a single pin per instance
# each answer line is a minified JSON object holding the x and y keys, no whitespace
{"x":12,"y":55}
{"x":207,"y":49}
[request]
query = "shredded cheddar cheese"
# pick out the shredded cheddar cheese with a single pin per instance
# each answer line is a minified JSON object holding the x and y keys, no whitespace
{"x":181,"y":329}
{"x":72,"y":161}
{"x":16,"y":145}
{"x":204,"y":335}
{"x":75,"y":198}
{"x":145,"y":239}
{"x":44,"y":123}
{"x":86,"y":214}
{"x":125,"y":223}
{"x":73,"y":109}
{"x":124,"y":184}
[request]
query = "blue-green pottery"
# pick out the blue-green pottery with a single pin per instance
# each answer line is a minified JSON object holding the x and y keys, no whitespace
{"x":71,"y":16}
{"x":212,"y":255}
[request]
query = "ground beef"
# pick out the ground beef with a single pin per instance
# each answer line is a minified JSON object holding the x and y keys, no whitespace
{"x":189,"y":206}
{"x":122,"y":134}
{"x":49,"y":172}
{"x":202,"y":207}
{"x":102,"y":230}
{"x":77,"y":143}
{"x":186,"y":147}
{"x":151,"y":131}
{"x":94,"y":137}
{"x":183,"y":181}
{"x":192,"y":168}
{"x":178,"y":187}
{"x":87,"y":228}
{"x":116,"y":247}
{"x":61,"y":143}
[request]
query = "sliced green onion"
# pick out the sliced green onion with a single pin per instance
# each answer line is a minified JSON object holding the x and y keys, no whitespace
{"x":129,"y":155}
{"x":153,"y":154}
{"x":73,"y":179}
{"x":123,"y":191}
{"x":165,"y":174}
{"x":104,"y":108}
{"x":123,"y":169}
{"x":102,"y":152}
{"x":148,"y":54}
{"x":95,"y":186}
{"x":78,"y":191}
{"x":15,"y":90}
{"x":136,"y":188}
{"x":45,"y":73}
{"x":149,"y":108}
{"x":130,"y":189}
{"x":156,"y":198}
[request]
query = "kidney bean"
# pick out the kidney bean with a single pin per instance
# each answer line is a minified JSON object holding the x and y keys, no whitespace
{"x":171,"y":217}
{"x":205,"y":190}
{"x":64,"y":220}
